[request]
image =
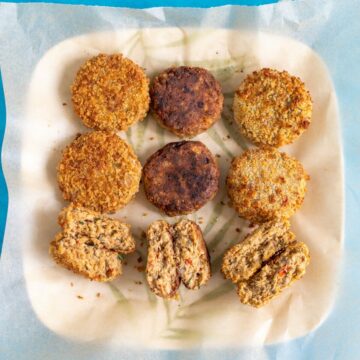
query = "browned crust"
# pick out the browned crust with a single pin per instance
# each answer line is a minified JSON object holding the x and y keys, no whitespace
{"x":110,"y":92}
{"x":186,"y":100}
{"x":99,"y":171}
{"x":181,"y":177}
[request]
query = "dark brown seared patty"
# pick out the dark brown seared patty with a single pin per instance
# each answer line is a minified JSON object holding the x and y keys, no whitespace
{"x":181,"y":177}
{"x":186,"y":100}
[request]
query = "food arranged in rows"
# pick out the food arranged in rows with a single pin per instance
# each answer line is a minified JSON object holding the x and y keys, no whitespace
{"x":100,"y":173}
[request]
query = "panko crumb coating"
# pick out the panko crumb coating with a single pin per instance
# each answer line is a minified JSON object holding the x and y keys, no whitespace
{"x":272,"y":108}
{"x":99,"y":171}
{"x":264,"y":184}
{"x":110,"y":92}
{"x":186,"y":100}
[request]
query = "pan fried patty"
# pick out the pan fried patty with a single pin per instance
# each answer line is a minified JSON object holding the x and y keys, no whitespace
{"x":186,"y":100}
{"x":110,"y":92}
{"x":99,"y":171}
{"x":161,"y":270}
{"x":264,"y":184}
{"x":243,"y":260}
{"x":272,"y":108}
{"x":181,"y":177}
{"x":191,"y":254}
{"x":278,"y":274}
{"x":90,"y":243}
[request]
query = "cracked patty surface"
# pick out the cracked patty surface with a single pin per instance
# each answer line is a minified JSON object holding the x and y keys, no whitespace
{"x":100,"y":171}
{"x":186,"y":100}
{"x":181,"y":177}
{"x":110,"y":92}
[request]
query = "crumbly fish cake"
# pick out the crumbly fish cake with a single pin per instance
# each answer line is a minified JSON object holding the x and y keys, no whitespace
{"x":110,"y":92}
{"x":99,"y":171}
{"x":272,"y":108}
{"x":278,"y":274}
{"x":186,"y":100}
{"x":181,"y":177}
{"x":90,"y":243}
{"x":191,"y":253}
{"x":243,"y":260}
{"x":161,"y":270}
{"x":264,"y":184}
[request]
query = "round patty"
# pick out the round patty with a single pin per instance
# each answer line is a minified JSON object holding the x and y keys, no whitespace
{"x":110,"y":92}
{"x":186,"y":100}
{"x":99,"y":171}
{"x":264,"y":184}
{"x":272,"y":108}
{"x":181,"y":177}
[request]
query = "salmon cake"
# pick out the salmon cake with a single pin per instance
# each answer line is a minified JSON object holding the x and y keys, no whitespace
{"x":110,"y":92}
{"x":99,"y":171}
{"x":266,"y":262}
{"x":176,"y":254}
{"x":264,"y":184}
{"x":91,"y":244}
{"x":272,"y":108}
{"x":186,"y":100}
{"x":181,"y":177}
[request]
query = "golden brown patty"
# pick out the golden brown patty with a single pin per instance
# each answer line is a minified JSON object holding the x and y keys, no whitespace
{"x":110,"y":92}
{"x":99,"y":171}
{"x":186,"y":100}
{"x":91,"y":244}
{"x":181,"y":177}
{"x":264,"y":184}
{"x":272,"y":108}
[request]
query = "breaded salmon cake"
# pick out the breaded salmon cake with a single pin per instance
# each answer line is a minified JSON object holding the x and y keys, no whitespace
{"x":176,"y":253}
{"x":275,"y":276}
{"x":264,"y":184}
{"x":91,"y":244}
{"x":243,"y":260}
{"x":161,"y":270}
{"x":110,"y":92}
{"x":181,"y":177}
{"x":272,"y":108}
{"x":186,"y":100}
{"x":191,"y":253}
{"x":99,"y":171}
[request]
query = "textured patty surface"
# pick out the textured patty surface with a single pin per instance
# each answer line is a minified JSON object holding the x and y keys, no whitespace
{"x":99,"y":171}
{"x":264,"y":184}
{"x":181,"y":177}
{"x":161,"y":270}
{"x":243,"y":260}
{"x":110,"y":92}
{"x":186,"y":100}
{"x":191,"y":253}
{"x":90,"y":243}
{"x":278,"y":274}
{"x":272,"y":108}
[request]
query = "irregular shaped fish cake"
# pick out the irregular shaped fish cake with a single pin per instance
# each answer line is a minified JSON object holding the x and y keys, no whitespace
{"x":278,"y":274}
{"x":90,"y":243}
{"x":243,"y":260}
{"x":161,"y":271}
{"x":191,"y":254}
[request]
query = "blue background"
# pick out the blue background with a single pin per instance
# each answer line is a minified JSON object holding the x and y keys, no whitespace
{"x":339,"y":336}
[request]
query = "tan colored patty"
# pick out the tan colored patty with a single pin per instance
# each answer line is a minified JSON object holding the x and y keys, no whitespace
{"x":186,"y":100}
{"x":243,"y":260}
{"x":181,"y":177}
{"x":161,"y":270}
{"x":91,"y":244}
{"x":264,"y":184}
{"x":191,"y":253}
{"x":272,"y":108}
{"x":110,"y":92}
{"x":275,"y":276}
{"x":99,"y":171}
